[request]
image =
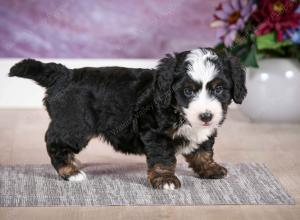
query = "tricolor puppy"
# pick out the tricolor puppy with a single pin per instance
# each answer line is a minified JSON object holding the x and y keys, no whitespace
{"x":173,"y":109}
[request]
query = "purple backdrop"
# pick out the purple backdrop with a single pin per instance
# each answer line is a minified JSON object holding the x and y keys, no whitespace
{"x":106,"y":29}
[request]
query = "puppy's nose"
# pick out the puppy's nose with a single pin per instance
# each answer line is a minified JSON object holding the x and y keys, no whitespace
{"x":206,"y":117}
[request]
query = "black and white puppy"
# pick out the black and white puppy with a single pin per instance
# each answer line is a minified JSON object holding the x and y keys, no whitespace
{"x":175,"y":108}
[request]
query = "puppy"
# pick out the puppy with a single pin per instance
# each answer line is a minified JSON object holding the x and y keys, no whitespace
{"x":173,"y":109}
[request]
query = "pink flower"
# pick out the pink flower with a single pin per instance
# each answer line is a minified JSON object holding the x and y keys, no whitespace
{"x":276,"y":15}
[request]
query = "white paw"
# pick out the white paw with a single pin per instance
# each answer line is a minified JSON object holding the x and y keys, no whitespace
{"x":170,"y":186}
{"x":78,"y":177}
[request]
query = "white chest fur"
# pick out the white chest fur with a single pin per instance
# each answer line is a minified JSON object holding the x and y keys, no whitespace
{"x":194,"y":135}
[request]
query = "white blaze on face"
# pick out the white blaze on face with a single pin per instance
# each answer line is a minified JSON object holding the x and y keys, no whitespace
{"x":202,"y":71}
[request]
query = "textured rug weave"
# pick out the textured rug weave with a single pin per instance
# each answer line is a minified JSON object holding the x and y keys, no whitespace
{"x":107,"y":184}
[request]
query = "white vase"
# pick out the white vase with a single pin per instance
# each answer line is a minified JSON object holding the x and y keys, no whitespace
{"x":273,"y":91}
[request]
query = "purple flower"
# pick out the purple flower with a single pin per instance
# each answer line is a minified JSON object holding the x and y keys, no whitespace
{"x":293,"y":35}
{"x":230,"y":17}
{"x":298,"y":10}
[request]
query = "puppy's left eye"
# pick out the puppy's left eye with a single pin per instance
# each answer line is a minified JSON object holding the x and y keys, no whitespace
{"x":188,"y":92}
{"x":218,"y":90}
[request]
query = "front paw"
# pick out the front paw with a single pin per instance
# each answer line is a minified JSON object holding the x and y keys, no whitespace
{"x":213,"y":171}
{"x":165,"y":181}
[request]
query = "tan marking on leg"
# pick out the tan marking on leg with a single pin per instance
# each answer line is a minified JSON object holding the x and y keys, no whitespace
{"x":203,"y":164}
{"x":67,"y":171}
{"x":160,"y":176}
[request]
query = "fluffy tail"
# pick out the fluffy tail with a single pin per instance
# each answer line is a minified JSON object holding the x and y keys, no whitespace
{"x":45,"y":74}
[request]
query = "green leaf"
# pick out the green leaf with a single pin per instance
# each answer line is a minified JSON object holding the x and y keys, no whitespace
{"x":269,"y":42}
{"x":220,"y":47}
{"x":247,"y":53}
{"x":250,"y":58}
{"x":245,"y":50}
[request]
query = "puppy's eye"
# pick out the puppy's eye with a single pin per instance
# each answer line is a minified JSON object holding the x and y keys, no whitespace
{"x":188,"y":92}
{"x":218,"y":90}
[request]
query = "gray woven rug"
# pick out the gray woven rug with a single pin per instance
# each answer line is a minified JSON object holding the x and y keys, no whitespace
{"x":107,"y":184}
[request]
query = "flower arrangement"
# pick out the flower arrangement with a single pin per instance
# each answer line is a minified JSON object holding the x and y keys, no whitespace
{"x":257,"y":29}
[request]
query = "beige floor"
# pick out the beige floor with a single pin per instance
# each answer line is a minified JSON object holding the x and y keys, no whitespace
{"x":278,"y":146}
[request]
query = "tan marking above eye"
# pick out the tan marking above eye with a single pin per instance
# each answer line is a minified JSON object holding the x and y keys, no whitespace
{"x":215,"y":83}
{"x":192,"y":86}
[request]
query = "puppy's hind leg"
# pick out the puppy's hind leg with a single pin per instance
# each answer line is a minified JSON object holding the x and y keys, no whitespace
{"x":62,"y":152}
{"x":63,"y":160}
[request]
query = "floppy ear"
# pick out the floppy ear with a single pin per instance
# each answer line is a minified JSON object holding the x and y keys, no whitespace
{"x":238,"y":76}
{"x":164,"y":79}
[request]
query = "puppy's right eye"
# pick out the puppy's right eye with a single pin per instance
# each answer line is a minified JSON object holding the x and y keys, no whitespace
{"x":188,"y":92}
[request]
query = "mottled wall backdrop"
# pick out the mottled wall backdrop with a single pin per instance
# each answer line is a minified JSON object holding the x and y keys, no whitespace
{"x":104,"y":28}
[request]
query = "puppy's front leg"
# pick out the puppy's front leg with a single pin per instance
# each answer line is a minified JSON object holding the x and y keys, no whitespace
{"x":162,"y":176}
{"x":161,"y":161}
{"x":202,"y":162}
